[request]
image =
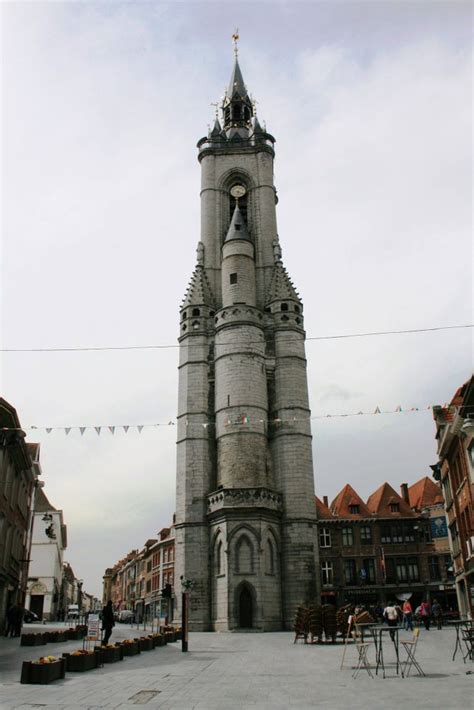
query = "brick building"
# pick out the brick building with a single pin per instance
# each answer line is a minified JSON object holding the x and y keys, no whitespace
{"x":382,"y":548}
{"x":19,"y":470}
{"x":137,"y":581}
{"x":455,"y":437}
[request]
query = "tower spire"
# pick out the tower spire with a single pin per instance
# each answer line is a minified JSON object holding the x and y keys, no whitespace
{"x":237,"y":106}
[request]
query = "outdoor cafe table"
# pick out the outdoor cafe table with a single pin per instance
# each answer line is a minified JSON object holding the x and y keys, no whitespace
{"x":458,"y":625}
{"x":377,"y":631}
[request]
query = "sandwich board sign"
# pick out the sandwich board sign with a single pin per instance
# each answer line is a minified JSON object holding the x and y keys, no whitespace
{"x":93,"y":627}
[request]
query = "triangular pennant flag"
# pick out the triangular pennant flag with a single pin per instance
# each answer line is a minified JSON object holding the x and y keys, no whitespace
{"x":398,"y":409}
{"x":140,"y":427}
{"x":49,"y":430}
{"x":360,"y":413}
{"x":82,"y":430}
{"x":98,"y":428}
{"x":377,"y":410}
{"x":67,"y":430}
{"x":126,"y":428}
{"x":112,"y":430}
{"x":170,"y":423}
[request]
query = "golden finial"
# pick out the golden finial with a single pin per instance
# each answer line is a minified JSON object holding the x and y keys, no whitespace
{"x":235,"y":39}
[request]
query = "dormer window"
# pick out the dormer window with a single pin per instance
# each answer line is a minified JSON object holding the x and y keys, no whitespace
{"x":394,"y":507}
{"x":237,"y":227}
{"x":354,"y":509}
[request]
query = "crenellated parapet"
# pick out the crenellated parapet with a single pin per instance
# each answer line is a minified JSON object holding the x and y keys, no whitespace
{"x":241,"y":498}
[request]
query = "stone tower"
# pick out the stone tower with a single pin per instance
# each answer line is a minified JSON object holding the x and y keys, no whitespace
{"x":245,"y":510}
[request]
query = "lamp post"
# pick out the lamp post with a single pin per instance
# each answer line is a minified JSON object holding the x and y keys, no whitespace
{"x":187,"y":585}
{"x":80,"y":582}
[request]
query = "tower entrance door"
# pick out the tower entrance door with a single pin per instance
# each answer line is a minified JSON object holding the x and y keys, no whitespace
{"x":245,"y":609}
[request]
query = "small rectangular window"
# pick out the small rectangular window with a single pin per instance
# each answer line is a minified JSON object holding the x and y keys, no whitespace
{"x":233,"y":278}
{"x":347,"y":537}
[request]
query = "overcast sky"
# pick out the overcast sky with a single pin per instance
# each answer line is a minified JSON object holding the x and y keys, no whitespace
{"x":102,"y":105}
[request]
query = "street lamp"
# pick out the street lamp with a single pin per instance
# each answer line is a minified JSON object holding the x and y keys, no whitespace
{"x":187,"y":586}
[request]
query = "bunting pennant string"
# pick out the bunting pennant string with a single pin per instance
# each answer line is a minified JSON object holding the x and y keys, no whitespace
{"x":241,"y":419}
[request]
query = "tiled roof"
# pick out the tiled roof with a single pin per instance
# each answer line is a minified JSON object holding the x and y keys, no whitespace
{"x":322,"y":510}
{"x":346,"y":498}
{"x":424,"y":493}
{"x":380,"y":501}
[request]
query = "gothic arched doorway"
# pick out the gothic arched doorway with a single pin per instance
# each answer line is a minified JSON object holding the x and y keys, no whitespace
{"x":245,"y":608}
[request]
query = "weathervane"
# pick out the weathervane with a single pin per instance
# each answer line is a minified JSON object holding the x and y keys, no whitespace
{"x":235,"y":38}
{"x":216,"y":106}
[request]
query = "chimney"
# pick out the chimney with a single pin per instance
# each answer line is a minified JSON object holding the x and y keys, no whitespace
{"x":325,"y":501}
{"x":404,"y":492}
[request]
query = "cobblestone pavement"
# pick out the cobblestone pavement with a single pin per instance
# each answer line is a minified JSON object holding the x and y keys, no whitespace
{"x":241,"y":670}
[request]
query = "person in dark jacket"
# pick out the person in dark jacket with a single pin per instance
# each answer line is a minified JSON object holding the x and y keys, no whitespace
{"x":10,"y":618}
{"x":18,"y":620}
{"x":108,"y":622}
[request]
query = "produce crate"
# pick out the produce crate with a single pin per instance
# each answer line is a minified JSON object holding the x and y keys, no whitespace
{"x":170,"y":636}
{"x":131,"y":648}
{"x":159,"y":640}
{"x":56,"y":636}
{"x":109,"y":654}
{"x":32,"y":640}
{"x":43,"y":673}
{"x":74,"y":634}
{"x":146,"y":644}
{"x":81,"y":662}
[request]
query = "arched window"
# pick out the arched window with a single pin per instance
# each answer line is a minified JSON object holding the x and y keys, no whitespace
{"x":270,"y":558}
{"x":244,"y":556}
{"x":196,"y":312}
{"x":219,"y":560}
{"x":284,"y":306}
{"x":243,"y":204}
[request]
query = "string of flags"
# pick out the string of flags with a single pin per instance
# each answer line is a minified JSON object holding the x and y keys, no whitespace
{"x":238,"y":420}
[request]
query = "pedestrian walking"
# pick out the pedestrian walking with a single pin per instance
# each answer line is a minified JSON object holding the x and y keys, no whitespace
{"x":425,"y":612}
{"x":18,"y":620}
{"x":437,"y":614}
{"x":391,"y":617}
{"x":10,"y":619}
{"x":108,"y":622}
{"x":407,"y":616}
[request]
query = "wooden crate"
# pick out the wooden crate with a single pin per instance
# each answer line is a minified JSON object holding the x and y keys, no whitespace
{"x":43,"y":673}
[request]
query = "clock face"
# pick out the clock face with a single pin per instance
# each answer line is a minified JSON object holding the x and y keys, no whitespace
{"x":238,"y":191}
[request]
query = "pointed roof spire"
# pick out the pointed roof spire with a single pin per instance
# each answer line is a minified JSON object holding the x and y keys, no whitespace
{"x":237,"y":228}
{"x":236,"y":83}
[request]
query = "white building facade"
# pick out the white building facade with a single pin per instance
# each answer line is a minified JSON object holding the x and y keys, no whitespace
{"x":49,"y":540}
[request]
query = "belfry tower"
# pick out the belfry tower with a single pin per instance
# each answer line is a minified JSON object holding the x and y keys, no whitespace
{"x":245,"y":511}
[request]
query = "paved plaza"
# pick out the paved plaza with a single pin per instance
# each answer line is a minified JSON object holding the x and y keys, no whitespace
{"x":241,"y":670}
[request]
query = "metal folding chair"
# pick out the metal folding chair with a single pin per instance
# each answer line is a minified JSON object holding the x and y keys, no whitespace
{"x":468,"y":639}
{"x":362,"y":648}
{"x":410,"y":648}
